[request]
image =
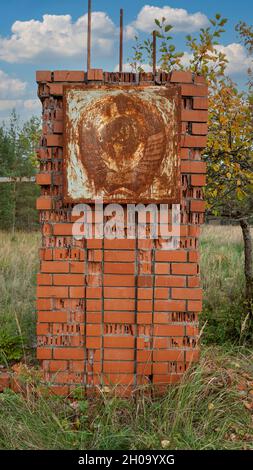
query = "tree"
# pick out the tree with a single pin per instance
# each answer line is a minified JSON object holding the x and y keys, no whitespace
{"x":229,"y":151}
{"x":17,"y":159}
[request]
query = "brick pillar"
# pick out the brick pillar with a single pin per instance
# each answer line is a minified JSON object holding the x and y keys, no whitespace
{"x":117,"y":313}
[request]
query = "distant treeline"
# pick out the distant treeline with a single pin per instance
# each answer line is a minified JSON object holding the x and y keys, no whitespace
{"x":18,"y":159}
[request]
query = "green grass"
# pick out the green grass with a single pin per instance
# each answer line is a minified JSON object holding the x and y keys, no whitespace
{"x":222,"y":261}
{"x":205,"y":411}
{"x":18,"y":268}
{"x":208,"y":410}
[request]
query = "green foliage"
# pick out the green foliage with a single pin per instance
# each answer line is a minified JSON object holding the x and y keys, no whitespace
{"x":18,"y":159}
{"x":223,"y":285}
{"x":205,"y":58}
{"x":137,"y":59}
{"x":10,"y":347}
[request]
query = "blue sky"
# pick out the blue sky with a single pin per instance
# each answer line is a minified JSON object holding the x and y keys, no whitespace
{"x":42,"y":35}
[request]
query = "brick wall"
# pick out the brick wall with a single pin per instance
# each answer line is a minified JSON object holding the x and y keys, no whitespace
{"x":117,"y":313}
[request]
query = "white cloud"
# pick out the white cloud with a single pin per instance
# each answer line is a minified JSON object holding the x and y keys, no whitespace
{"x":56,"y":36}
{"x":11,"y":87}
{"x":179,"y":18}
{"x":238,"y":61}
{"x":32,"y":106}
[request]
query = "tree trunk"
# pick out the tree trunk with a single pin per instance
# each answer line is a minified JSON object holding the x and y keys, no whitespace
{"x":248,"y":272}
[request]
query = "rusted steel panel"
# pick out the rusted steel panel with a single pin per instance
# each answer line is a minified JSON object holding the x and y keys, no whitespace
{"x":121,"y":143}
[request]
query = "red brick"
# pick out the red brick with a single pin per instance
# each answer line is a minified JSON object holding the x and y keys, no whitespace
{"x":4,"y":381}
{"x":199,"y":79}
{"x":120,"y":342}
{"x":94,"y":330}
{"x":55,"y":366}
{"x":95,"y":74}
{"x":46,"y":254}
{"x":200,"y":103}
{"x":42,"y":328}
{"x":186,"y":293}
{"x":198,"y":180}
{"x":174,"y":255}
{"x":44,"y":203}
{"x":184,"y":153}
{"x":54,"y":140}
{"x":119,"y":268}
{"x":170,"y":281}
{"x":119,"y":317}
{"x":193,"y":281}
{"x":77,"y":292}
{"x":95,"y":256}
{"x":199,"y":128}
{"x":144,"y":293}
{"x":68,"y":353}
{"x":118,"y":244}
{"x":93,"y":342}
{"x":43,"y":76}
{"x":68,"y":76}
{"x":119,"y":281}
{"x":193,"y":141}
{"x":162,"y":268}
{"x":145,"y":281}
{"x":168,"y":355}
{"x":56,"y":89}
{"x":117,"y":367}
{"x":145,"y":305}
{"x":55,"y":266}
{"x":77,"y":267}
{"x":119,"y":292}
{"x":58,"y":127}
{"x":44,"y":304}
{"x":44,"y":353}
{"x":167,"y":330}
{"x":193,"y":167}
{"x":169,"y":305}
{"x":192,"y":356}
{"x":68,"y":279}
{"x":119,"y":256}
{"x":43,"y":178}
{"x":181,"y":77}
{"x":194,"y":90}
{"x":52,"y":316}
{"x":52,"y":291}
{"x":194,"y":115}
{"x":193,"y":256}
{"x":44,"y":279}
{"x":194,"y":306}
{"x":93,"y":292}
{"x":119,"y":305}
{"x":119,"y":354}
{"x":197,"y":206}
{"x":184,"y":268}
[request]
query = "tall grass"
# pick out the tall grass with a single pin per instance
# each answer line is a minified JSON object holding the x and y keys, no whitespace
{"x":18,"y":267}
{"x":222,"y":262}
{"x":205,"y":411}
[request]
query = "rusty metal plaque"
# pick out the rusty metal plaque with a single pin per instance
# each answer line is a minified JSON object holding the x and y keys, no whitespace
{"x":121,"y":143}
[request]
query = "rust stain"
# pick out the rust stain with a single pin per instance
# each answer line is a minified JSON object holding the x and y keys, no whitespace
{"x":122,"y":143}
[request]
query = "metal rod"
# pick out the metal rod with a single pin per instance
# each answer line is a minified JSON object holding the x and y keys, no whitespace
{"x":121,"y":41}
{"x":154,"y":53}
{"x":89,"y":35}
